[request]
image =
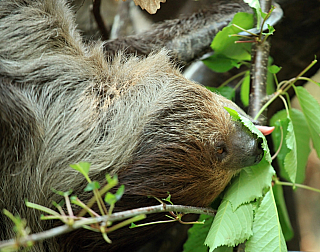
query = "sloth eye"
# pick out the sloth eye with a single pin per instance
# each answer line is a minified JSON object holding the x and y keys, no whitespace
{"x":220,"y":150}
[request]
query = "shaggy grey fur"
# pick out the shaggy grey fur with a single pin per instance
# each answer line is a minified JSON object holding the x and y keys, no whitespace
{"x":62,"y":102}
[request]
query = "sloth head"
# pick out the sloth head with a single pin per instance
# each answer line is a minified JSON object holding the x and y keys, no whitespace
{"x":185,"y":142}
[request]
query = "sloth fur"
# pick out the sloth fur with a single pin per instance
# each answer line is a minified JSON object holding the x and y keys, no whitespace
{"x":62,"y":102}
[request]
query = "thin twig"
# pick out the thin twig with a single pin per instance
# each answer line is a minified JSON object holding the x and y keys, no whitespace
{"x":277,"y":182}
{"x":232,"y":78}
{"x":280,"y":145}
{"x":112,"y":218}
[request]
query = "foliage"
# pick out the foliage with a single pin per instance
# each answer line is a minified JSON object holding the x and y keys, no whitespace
{"x":72,"y":221}
{"x":228,"y":54}
{"x":253,"y":209}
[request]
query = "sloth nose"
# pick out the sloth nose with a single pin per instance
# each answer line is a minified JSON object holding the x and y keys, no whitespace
{"x":247,"y":147}
{"x":253,"y":153}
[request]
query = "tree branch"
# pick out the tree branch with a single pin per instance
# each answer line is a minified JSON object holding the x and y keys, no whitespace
{"x":106,"y":218}
{"x":260,"y":54}
{"x":258,"y":86}
{"x":187,"y":38}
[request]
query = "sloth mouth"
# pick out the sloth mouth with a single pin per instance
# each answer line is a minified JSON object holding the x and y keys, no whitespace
{"x":265,"y":130}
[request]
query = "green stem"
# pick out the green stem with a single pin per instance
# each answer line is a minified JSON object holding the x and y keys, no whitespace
{"x":300,"y":74}
{"x":297,"y":185}
{"x":239,"y":83}
{"x":275,"y":96}
{"x":276,"y":80}
{"x":155,"y":222}
{"x":68,"y":204}
{"x":105,"y":189}
{"x":127,"y":222}
{"x":286,"y":86}
{"x":232,"y":78}
{"x":284,"y":103}
{"x":237,"y":26}
{"x":105,"y":236}
{"x":241,"y":36}
{"x":308,"y":79}
{"x":97,"y":196}
{"x":111,"y":209}
{"x":85,"y":208}
{"x":263,"y":22}
{"x":288,"y":100}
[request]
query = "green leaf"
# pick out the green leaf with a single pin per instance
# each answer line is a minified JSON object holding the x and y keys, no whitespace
{"x":288,"y":153}
{"x":227,"y":92}
{"x":230,"y":228}
{"x":267,"y":233}
{"x":197,"y":235}
{"x":245,"y":89}
{"x":223,"y":249}
{"x":82,"y":167}
{"x":282,"y":212}
{"x":227,"y":53}
{"x":271,"y":30}
{"x":234,"y":114}
{"x":92,"y":186}
{"x":132,"y":225}
{"x":110,"y":198}
{"x":280,"y":120}
{"x":274,"y":69}
{"x":255,"y":4}
{"x":290,"y":161}
{"x":224,"y":44}
{"x":302,"y":136}
{"x":112,"y":180}
{"x":311,"y":110}
{"x":168,"y":199}
{"x":220,"y":63}
{"x":249,"y":184}
{"x":119,"y":192}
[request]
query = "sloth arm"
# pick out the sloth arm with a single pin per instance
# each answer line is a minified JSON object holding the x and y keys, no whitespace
{"x":187,"y":38}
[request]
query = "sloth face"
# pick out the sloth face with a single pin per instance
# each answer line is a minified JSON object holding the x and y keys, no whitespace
{"x":189,"y":147}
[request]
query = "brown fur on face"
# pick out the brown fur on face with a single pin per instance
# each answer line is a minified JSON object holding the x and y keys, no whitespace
{"x":181,"y":143}
{"x":62,"y":102}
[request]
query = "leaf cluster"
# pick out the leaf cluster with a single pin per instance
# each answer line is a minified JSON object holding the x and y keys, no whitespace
{"x":253,"y":209}
{"x":248,"y":211}
{"x":100,"y":197}
{"x":233,"y":49}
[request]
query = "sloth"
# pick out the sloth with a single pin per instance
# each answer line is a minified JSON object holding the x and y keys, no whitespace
{"x":63,"y":101}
